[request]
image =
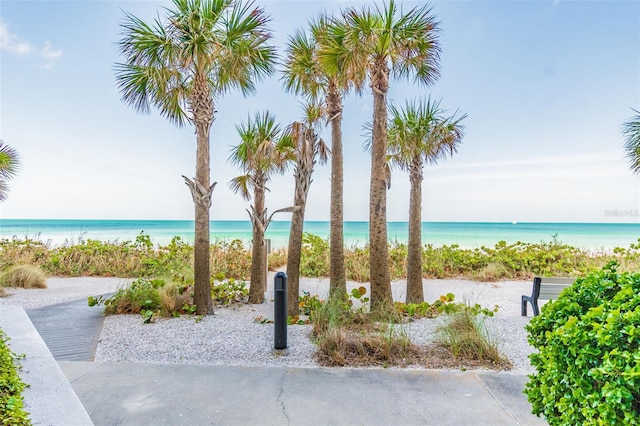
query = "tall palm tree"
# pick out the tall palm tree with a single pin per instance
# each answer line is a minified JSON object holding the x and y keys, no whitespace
{"x":420,"y":134}
{"x":312,"y":69}
{"x":388,"y":43}
{"x":264,"y":149}
{"x":9,"y":165}
{"x":308,"y":147}
{"x":631,"y":133}
{"x":180,"y":65}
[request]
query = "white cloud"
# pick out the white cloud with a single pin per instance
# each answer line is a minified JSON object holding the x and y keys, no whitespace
{"x":13,"y":43}
{"x":49,"y":55}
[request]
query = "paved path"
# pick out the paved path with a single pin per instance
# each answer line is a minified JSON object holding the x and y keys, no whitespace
{"x":153,"y":394}
{"x":70,"y":330}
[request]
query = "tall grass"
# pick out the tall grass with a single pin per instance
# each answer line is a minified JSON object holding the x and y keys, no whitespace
{"x":24,"y":276}
{"x":467,"y":337}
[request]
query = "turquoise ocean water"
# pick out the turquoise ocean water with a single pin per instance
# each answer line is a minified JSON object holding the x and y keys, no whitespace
{"x":593,"y":236}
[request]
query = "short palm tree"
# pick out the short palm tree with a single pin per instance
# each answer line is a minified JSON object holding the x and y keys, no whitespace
{"x":9,"y":165}
{"x":631,"y":132}
{"x":264,"y":149}
{"x":180,"y":65}
{"x":308,"y":148}
{"x":387,"y":42}
{"x":311,"y":70}
{"x":419,"y":134}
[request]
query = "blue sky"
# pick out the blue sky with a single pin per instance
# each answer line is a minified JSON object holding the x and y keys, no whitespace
{"x":546,"y":86}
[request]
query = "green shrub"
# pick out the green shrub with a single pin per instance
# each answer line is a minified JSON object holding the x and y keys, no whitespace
{"x":314,"y":261}
{"x":11,"y":387}
{"x":141,"y":295}
{"x":23,"y":276}
{"x":588,"y":365}
{"x":229,"y":291}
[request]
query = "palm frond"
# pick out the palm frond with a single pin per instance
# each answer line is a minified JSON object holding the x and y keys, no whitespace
{"x":9,"y":167}
{"x":245,"y":55}
{"x":9,"y":162}
{"x":301,"y":74}
{"x":420,"y":132}
{"x":241,"y":184}
{"x":631,"y":134}
{"x":223,"y":41}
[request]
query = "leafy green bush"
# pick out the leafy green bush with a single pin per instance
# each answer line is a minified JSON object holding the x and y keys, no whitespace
{"x":445,"y":304}
{"x":141,"y":295}
{"x":314,"y":261}
{"x":11,"y":387}
{"x":588,"y":365}
{"x":229,"y":291}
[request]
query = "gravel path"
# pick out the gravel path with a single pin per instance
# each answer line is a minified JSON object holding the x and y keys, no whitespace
{"x":233,"y":337}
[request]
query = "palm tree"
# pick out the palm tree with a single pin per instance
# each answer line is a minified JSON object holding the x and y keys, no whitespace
{"x":388,"y":43}
{"x":9,"y":165}
{"x":201,"y":50}
{"x":312,"y":69}
{"x":419,"y":134}
{"x":308,"y":148}
{"x":631,"y":132}
{"x":264,"y":150}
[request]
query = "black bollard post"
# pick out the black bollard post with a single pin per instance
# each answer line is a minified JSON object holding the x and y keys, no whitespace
{"x":280,"y":310}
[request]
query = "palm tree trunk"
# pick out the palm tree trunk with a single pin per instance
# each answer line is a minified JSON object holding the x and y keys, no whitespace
{"x":202,"y":107}
{"x":304,"y":170}
{"x":257,"y":283}
{"x":415,"y":292}
{"x":337,"y":274}
{"x":378,"y":248}
{"x":294,"y":253}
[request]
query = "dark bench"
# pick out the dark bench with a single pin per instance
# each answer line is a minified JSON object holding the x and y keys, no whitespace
{"x":545,"y":288}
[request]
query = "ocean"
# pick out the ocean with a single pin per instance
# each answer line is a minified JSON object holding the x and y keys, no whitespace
{"x":591,"y":236}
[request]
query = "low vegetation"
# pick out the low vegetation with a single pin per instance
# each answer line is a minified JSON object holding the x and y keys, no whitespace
{"x":588,"y":359}
{"x":152,"y":298}
{"x":467,"y":337}
{"x":23,"y":276}
{"x":231,"y":259}
{"x":347,"y":334}
{"x":11,"y":387}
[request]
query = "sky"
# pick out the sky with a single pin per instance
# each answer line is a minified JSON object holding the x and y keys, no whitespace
{"x":546,"y":86}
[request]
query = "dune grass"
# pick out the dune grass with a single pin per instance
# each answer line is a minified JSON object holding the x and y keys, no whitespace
{"x":231,"y":259}
{"x":347,"y":334}
{"x":23,"y":276}
{"x":467,"y":337}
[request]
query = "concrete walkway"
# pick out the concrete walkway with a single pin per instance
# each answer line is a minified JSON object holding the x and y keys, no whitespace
{"x":71,"y":330}
{"x":135,"y":394}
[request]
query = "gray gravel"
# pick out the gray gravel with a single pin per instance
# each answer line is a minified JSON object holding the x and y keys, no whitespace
{"x":233,"y":337}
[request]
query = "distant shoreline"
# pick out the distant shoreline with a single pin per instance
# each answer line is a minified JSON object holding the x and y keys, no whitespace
{"x":590,"y":236}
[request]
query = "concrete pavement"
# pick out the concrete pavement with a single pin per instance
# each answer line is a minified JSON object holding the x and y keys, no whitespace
{"x":152,"y":394}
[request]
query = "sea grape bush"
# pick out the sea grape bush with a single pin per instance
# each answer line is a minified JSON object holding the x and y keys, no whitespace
{"x":12,"y":387}
{"x":588,"y":365}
